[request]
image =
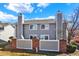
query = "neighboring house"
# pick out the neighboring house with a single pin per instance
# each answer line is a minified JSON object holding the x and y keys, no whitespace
{"x":6,"y":30}
{"x":51,"y":34}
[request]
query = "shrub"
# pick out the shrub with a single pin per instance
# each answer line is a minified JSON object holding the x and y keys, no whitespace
{"x":73,"y":42}
{"x":71,"y":48}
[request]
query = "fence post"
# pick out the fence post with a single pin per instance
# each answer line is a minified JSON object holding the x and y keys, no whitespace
{"x":63,"y":46}
{"x":35,"y":44}
{"x":12,"y":42}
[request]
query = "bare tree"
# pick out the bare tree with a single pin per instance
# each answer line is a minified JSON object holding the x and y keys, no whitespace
{"x":75,"y":24}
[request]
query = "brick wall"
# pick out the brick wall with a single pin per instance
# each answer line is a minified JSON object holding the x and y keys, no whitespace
{"x":13,"y":43}
{"x":35,"y":44}
{"x":63,"y":46}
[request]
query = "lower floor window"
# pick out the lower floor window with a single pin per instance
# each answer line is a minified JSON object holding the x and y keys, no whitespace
{"x":41,"y":37}
{"x":44,"y":37}
{"x":32,"y":36}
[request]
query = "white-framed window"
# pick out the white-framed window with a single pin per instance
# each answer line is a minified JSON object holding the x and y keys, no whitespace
{"x":44,"y":26}
{"x":32,"y":36}
{"x":44,"y":37}
{"x":33,"y":26}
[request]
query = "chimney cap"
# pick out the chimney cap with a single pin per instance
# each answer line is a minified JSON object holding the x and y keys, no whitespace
{"x":20,"y":14}
{"x":58,"y":11}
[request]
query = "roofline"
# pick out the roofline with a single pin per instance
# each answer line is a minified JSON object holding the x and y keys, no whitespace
{"x":40,"y":21}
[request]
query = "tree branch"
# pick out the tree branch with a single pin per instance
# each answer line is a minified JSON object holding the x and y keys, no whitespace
{"x":75,"y":21}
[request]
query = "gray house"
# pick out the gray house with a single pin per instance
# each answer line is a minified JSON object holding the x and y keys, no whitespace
{"x":50,"y":32}
{"x":44,"y":29}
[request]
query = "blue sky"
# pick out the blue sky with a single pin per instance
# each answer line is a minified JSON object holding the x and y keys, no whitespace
{"x":9,"y":11}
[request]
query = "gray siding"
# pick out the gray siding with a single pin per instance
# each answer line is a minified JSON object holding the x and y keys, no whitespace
{"x":64,"y":31}
{"x":51,"y":32}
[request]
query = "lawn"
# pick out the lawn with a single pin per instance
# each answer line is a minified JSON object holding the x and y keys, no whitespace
{"x":4,"y":52}
{"x":76,"y":53}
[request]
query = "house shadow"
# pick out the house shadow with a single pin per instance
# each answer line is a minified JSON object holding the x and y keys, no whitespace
{"x":2,"y":41}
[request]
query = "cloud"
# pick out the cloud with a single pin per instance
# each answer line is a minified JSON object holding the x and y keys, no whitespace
{"x":7,"y":17}
{"x":51,"y":17}
{"x":38,"y":10}
{"x":40,"y":7}
{"x":24,"y":7}
{"x":20,"y":7}
{"x":44,"y":5}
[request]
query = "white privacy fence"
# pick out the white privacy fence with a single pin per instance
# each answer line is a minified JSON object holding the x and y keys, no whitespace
{"x":44,"y":45}
{"x":24,"y":43}
{"x":49,"y":45}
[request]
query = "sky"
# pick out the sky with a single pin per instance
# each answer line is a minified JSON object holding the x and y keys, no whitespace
{"x":9,"y":11}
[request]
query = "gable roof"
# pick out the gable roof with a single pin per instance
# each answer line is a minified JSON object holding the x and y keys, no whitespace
{"x":6,"y":24}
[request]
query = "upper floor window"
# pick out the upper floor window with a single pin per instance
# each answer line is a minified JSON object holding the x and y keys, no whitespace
{"x":33,"y":27}
{"x":44,"y":26}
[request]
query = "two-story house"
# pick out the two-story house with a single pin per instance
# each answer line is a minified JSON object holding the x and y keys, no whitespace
{"x":51,"y":33}
{"x":44,"y":29}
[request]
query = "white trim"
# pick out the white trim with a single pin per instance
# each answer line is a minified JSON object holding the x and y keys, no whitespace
{"x":24,"y":39}
{"x":56,"y":29}
{"x":49,"y":40}
{"x":47,"y":49}
{"x":44,"y":35}
{"x":22,"y":36}
{"x":45,"y":26}
{"x":58,"y":45}
{"x":33,"y":24}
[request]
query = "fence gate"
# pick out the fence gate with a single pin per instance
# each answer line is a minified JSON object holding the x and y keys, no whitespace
{"x":24,"y":44}
{"x":49,"y":45}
